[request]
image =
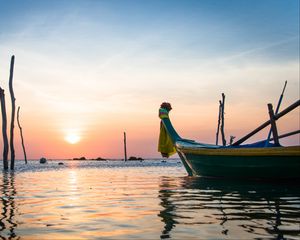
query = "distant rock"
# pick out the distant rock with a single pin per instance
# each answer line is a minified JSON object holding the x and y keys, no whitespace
{"x":81,"y":158}
{"x":100,"y":159}
{"x":43,"y":160}
{"x":132,"y":158}
{"x":60,"y":163}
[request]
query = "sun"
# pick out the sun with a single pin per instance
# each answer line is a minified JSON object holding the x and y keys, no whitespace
{"x":72,"y":138}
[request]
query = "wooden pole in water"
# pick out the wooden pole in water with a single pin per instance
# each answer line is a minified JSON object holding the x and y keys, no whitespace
{"x":273,"y":124}
{"x":219,"y":120}
{"x":125,"y":148}
{"x":13,"y":111}
{"x":4,"y":130}
{"x":222,"y":120}
{"x":21,"y":133}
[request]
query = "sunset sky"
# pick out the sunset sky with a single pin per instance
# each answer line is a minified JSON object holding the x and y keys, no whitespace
{"x":87,"y":70}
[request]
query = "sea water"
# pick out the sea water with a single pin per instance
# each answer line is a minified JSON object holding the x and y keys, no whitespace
{"x":141,"y":200}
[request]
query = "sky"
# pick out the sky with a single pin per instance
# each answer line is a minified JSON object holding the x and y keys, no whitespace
{"x":88,"y":70}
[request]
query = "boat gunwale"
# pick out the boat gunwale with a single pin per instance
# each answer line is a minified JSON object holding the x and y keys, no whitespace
{"x":228,"y":151}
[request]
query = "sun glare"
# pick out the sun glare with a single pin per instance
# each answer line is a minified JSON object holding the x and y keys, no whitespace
{"x":72,"y":138}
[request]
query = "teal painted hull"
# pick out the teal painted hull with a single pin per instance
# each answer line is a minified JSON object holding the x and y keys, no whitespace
{"x":263,"y":167}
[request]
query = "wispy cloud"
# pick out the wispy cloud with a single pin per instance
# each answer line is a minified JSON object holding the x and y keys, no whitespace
{"x":80,"y":68}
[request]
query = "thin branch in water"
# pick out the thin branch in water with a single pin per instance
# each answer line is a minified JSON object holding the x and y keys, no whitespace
{"x":21,"y":133}
{"x":4,"y":130}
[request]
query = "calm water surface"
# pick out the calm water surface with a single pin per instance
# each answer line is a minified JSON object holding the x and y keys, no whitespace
{"x":141,"y":200}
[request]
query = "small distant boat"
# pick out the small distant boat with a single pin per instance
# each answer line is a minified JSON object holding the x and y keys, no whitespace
{"x":252,"y":161}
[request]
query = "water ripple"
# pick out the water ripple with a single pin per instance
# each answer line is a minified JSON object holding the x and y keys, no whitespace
{"x":148,"y":200}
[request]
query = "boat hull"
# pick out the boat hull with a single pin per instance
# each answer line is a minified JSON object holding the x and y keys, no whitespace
{"x":260,"y":160}
{"x":284,"y":165}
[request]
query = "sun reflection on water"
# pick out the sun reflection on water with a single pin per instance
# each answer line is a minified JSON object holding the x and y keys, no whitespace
{"x":149,"y":202}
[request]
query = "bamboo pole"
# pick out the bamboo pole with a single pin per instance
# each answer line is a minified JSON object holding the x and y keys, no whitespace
{"x":287,"y":134}
{"x":125,"y":147}
{"x":13,"y":110}
{"x":265,"y":124}
{"x":273,"y":124}
{"x":222,"y":120}
{"x":4,"y":130}
{"x":277,"y":110}
{"x":219,"y":120}
{"x":21,"y":133}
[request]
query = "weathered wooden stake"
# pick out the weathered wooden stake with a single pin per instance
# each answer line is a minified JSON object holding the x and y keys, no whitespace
{"x":222,"y":120}
{"x":13,"y":110}
{"x":125,"y":148}
{"x":273,"y":124}
{"x":21,"y":133}
{"x":4,"y":130}
{"x":219,"y":119}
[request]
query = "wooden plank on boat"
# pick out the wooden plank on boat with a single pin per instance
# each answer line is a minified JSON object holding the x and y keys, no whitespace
{"x":277,"y":109}
{"x":287,"y":134}
{"x":265,"y":124}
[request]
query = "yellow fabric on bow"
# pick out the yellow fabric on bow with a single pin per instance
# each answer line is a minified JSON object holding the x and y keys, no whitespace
{"x":165,"y":144}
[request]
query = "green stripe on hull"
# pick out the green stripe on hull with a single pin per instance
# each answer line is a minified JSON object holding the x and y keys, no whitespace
{"x":243,"y":167}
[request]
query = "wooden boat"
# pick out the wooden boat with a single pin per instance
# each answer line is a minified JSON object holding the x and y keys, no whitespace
{"x":252,"y":161}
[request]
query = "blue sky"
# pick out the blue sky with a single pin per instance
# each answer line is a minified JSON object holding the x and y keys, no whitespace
{"x":212,"y":26}
{"x":89,"y":61}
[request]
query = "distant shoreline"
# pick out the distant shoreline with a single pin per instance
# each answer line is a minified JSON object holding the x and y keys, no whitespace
{"x":108,"y":159}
